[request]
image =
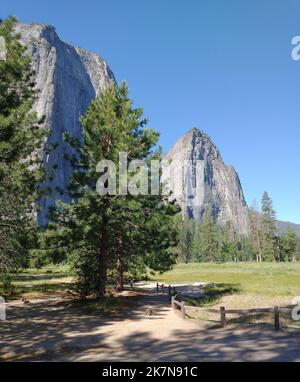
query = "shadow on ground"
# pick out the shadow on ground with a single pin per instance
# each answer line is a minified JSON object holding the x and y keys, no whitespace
{"x":219,"y":345}
{"x":66,"y":325}
{"x":206,"y":294}
{"x":56,"y":330}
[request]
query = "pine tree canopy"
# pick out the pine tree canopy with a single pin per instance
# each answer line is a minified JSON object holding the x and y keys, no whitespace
{"x":20,"y":138}
{"x":106,"y":232}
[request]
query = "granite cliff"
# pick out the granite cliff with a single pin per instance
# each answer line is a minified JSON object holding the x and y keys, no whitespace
{"x":220,"y":184}
{"x":67,"y":80}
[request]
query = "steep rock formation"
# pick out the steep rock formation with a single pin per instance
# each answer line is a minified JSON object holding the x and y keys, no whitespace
{"x":67,"y":79}
{"x":220,"y":184}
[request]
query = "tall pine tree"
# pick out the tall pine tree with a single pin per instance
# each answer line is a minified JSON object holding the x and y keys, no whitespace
{"x":209,"y":238}
{"x":20,"y":137}
{"x":269,"y":229}
{"x":111,"y":232}
{"x":289,"y":246}
{"x":255,"y":233}
{"x":186,"y":239}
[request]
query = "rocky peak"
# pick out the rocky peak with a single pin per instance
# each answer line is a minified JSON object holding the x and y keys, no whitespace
{"x":194,"y":140}
{"x":220,"y":184}
{"x":67,"y":79}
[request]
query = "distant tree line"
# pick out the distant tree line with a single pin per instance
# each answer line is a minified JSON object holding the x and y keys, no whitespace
{"x":207,"y":241}
{"x":265,"y":237}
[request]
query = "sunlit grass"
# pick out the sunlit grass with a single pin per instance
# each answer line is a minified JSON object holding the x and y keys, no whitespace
{"x":268,"y":279}
{"x":239,"y":286}
{"x":35,"y":282}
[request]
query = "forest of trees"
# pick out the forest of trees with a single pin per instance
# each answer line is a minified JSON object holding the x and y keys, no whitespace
{"x":209,"y":242}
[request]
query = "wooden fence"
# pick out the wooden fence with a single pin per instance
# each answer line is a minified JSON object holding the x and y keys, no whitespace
{"x":276,"y":311}
{"x":172,"y":292}
{"x":222,"y":311}
{"x":178,"y":305}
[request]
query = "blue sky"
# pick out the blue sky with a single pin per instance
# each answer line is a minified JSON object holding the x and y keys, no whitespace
{"x":223,"y":66}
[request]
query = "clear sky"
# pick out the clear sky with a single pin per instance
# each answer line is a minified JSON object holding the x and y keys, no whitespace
{"x":223,"y":66}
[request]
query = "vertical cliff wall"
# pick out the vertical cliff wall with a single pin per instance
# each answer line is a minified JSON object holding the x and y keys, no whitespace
{"x":67,"y":79}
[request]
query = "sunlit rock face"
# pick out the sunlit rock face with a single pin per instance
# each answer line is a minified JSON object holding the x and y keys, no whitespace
{"x":67,"y":79}
{"x":220,"y":186}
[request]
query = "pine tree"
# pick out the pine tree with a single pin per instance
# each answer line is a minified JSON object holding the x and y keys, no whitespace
{"x":20,"y":137}
{"x":297,"y":252}
{"x":209,"y":245}
{"x":196,"y":246}
{"x":269,"y":228}
{"x":247,"y":250}
{"x":255,"y":226}
{"x":289,"y":246}
{"x":186,"y":239}
{"x":228,"y":250}
{"x":111,"y":232}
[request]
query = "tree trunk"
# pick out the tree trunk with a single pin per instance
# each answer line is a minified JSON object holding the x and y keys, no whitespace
{"x":102,"y":273}
{"x":120,"y":275}
{"x":258,"y":244}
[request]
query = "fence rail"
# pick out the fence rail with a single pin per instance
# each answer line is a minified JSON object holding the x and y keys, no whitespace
{"x":276,"y":310}
{"x":172,"y":292}
{"x":178,"y":305}
{"x":222,"y":311}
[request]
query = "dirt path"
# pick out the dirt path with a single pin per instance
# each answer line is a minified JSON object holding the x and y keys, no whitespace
{"x":55,"y":331}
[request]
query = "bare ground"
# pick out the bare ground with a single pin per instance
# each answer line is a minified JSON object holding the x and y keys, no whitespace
{"x":57,"y":330}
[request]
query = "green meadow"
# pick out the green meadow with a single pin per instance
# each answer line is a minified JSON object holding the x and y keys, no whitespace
{"x":267,"y":279}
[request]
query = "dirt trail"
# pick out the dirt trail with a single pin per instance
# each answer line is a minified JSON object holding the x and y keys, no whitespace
{"x":52,"y":330}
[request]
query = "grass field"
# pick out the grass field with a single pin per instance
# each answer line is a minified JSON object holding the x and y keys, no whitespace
{"x":239,"y":286}
{"x":34,"y":283}
{"x":266,"y":279}
{"x":233,"y":285}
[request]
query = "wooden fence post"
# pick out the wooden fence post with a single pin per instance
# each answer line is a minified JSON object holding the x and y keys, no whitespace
{"x":276,"y":318}
{"x":223,"y":316}
{"x":170,"y":292}
{"x":172,"y":301}
{"x":182,"y":310}
{"x":149,"y":311}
